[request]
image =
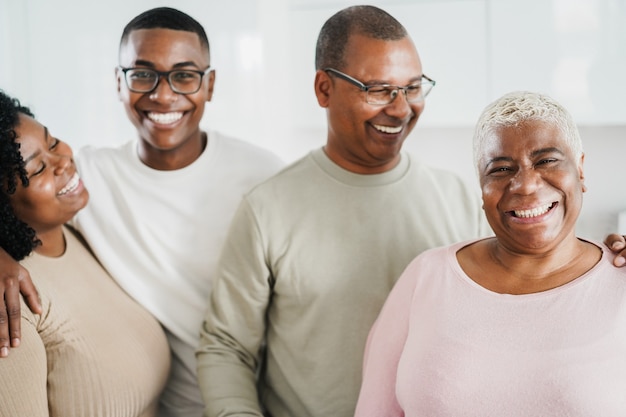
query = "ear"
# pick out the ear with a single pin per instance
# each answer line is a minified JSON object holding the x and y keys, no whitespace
{"x":210,"y":84}
{"x":323,"y":87}
{"x":581,"y":173}
{"x":119,"y":75}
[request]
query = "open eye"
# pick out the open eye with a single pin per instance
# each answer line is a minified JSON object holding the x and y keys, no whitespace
{"x":498,"y":171}
{"x":142,"y":75}
{"x":184,"y":75}
{"x":546,"y":161}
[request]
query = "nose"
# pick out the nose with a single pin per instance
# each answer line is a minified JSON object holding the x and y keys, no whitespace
{"x":400,"y":107}
{"x":61,"y":158}
{"x":525,"y":182}
{"x":163,"y":91}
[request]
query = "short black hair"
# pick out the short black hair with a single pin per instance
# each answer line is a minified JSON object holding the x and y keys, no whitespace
{"x":166,"y":18}
{"x":16,"y":237}
{"x":364,"y":20}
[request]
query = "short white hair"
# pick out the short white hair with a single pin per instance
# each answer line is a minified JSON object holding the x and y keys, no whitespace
{"x":517,"y":107}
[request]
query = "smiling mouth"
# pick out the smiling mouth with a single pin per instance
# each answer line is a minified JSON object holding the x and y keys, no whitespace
{"x":165,"y":118}
{"x":388,"y":129}
{"x":535,"y":212}
{"x":71,"y":185}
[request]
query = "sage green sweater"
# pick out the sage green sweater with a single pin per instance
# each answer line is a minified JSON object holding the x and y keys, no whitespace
{"x":310,"y":258}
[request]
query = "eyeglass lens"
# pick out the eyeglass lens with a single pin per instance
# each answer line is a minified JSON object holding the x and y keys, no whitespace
{"x":385,"y":95}
{"x":180,"y":81}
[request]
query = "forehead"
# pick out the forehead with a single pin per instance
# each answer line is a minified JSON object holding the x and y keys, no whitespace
{"x":524,"y":139}
{"x":28,"y":129}
{"x":165,"y":47}
{"x":371,"y":58}
{"x":30,"y":134}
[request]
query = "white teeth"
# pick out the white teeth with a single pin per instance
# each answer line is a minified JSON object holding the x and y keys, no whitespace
{"x":165,"y":118}
{"x":71,"y":184}
{"x":537,"y":211}
{"x":388,"y":129}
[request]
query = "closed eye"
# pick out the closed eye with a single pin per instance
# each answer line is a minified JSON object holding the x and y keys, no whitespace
{"x":39,"y":170}
{"x":55,"y":143}
{"x":379,"y":89}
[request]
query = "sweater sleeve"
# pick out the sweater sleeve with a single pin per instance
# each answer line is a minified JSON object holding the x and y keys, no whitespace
{"x":233,"y":330}
{"x":385,"y":342}
{"x":24,"y":375}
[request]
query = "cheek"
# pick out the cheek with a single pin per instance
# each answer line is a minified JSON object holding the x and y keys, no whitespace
{"x":22,"y":206}
{"x":491,"y":195}
{"x":39,"y":192}
{"x":130,"y":99}
{"x":418,"y":108}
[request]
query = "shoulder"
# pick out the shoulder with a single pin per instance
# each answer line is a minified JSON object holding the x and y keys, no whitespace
{"x":92,"y":158}
{"x":91,"y":151}
{"x":238,"y":148}
{"x":443,"y":252}
{"x":289,"y":177}
{"x":446,"y":184}
{"x":439,"y":176}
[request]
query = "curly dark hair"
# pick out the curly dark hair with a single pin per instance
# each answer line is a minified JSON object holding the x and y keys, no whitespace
{"x":16,"y":237}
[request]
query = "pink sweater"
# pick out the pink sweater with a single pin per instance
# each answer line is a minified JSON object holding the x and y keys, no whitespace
{"x":445,"y":346}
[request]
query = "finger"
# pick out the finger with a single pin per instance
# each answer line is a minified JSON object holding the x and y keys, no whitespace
{"x":4,"y":330}
{"x":12,"y":300}
{"x":30,"y":294}
{"x":615,"y":242}
{"x":620,"y":259}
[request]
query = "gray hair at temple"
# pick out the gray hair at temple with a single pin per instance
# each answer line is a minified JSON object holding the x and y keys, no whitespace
{"x":517,"y":107}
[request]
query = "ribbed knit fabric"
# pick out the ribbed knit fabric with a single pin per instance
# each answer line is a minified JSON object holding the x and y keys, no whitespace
{"x":94,"y":352}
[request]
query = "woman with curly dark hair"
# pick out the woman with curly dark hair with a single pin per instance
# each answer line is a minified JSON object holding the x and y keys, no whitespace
{"x":93,"y":351}
{"x":16,"y":237}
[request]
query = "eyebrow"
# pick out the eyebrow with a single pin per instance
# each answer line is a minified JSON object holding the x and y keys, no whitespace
{"x":177,"y":65}
{"x":532,"y":154}
{"x":381,"y":82}
{"x":37,"y":152}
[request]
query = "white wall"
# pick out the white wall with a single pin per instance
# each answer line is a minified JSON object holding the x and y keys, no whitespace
{"x":58,"y":56}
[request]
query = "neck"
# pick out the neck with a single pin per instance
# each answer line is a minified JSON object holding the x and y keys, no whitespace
{"x":172,"y":158}
{"x":361,"y":167}
{"x":528,"y":273}
{"x":506,"y":271}
{"x":52,"y":242}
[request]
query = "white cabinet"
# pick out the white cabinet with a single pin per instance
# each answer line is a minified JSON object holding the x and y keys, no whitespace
{"x":477,"y":50}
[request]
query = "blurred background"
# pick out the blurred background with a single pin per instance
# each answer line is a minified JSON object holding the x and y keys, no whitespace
{"x":58,"y":57}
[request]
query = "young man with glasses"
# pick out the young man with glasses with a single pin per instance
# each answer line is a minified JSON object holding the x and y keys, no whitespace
{"x":161,"y":204}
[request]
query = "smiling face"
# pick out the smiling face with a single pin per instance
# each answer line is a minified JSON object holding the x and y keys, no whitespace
{"x":532,"y":185}
{"x":167,"y":122}
{"x":55,"y":192}
{"x":362,"y":137}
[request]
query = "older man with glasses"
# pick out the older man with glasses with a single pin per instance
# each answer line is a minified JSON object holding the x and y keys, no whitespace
{"x":313,"y":252}
{"x":382,"y":94}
